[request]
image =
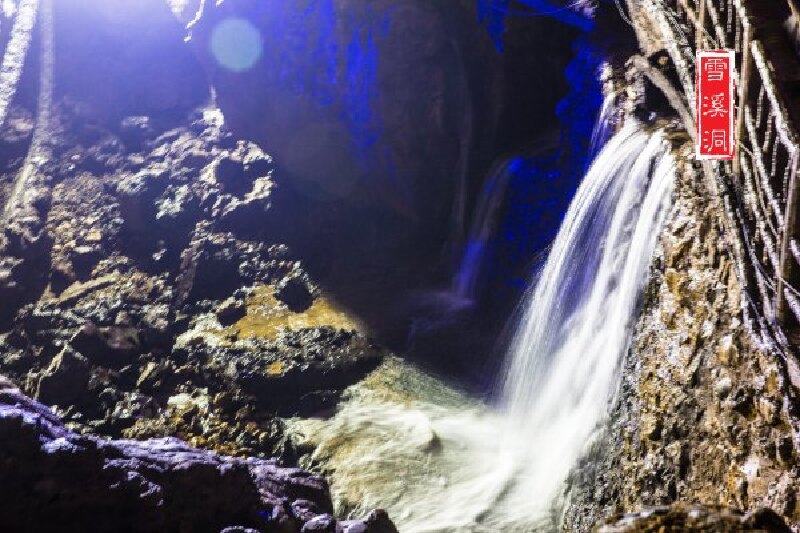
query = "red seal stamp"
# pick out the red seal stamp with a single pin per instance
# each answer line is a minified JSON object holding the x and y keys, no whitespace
{"x":715,"y":105}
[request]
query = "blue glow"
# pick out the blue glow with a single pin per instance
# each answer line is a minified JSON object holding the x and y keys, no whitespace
{"x":562,"y":14}
{"x":578,"y":110}
{"x":492,"y":13}
{"x":541,"y":187}
{"x":236,"y":44}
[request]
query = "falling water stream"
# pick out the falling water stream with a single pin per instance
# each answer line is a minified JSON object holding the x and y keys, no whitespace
{"x":484,"y":225}
{"x":604,"y":126}
{"x":439,"y":461}
{"x":19,"y":197}
{"x":15,"y":52}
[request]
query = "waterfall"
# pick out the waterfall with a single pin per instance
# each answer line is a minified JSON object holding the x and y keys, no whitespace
{"x":604,"y":126}
{"x":465,"y":283}
{"x":484,"y":225}
{"x":37,"y":153}
{"x":563,"y":368}
{"x":439,"y":461}
{"x":14,"y":56}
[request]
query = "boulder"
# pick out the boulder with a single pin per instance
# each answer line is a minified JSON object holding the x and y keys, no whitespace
{"x":57,"y":480}
{"x":302,"y":372}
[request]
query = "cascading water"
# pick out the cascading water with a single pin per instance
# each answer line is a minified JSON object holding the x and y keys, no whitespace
{"x":18,"y":199}
{"x":16,"y":50}
{"x":565,"y":359}
{"x":438,"y":461}
{"x":484,"y":225}
{"x":604,"y":126}
{"x":466,"y":280}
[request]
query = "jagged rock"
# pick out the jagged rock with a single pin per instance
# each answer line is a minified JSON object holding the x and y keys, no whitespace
{"x":311,"y":366}
{"x":56,"y":480}
{"x":64,"y":380}
{"x":110,"y":346}
{"x":97,"y":342}
{"x":703,"y":403}
{"x":687,"y":519}
{"x":22,"y":245}
{"x":215,"y":264}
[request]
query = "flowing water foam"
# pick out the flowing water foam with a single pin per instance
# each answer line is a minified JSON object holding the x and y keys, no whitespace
{"x":438,"y":461}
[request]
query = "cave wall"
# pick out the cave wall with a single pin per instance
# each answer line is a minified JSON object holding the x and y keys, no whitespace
{"x":393,"y":104}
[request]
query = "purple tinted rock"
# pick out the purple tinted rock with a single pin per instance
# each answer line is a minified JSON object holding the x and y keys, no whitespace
{"x":57,"y":480}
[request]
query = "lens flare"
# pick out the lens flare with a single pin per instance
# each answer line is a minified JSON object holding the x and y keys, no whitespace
{"x":236,"y":44}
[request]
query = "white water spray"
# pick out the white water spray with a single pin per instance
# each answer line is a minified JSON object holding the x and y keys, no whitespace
{"x":565,"y":359}
{"x":443,"y":463}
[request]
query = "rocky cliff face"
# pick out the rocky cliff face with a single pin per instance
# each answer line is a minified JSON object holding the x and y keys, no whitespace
{"x":137,"y":303}
{"x":138,"y":295}
{"x":706,"y":410}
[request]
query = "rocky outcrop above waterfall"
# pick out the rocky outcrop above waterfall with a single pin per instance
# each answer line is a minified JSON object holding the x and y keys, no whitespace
{"x":706,"y":409}
{"x":57,"y":480}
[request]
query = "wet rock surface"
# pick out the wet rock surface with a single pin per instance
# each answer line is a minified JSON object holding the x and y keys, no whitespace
{"x":57,"y":480}
{"x":680,"y":518}
{"x":706,"y":409}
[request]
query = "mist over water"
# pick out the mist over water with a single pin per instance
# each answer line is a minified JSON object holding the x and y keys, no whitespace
{"x":439,"y":461}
